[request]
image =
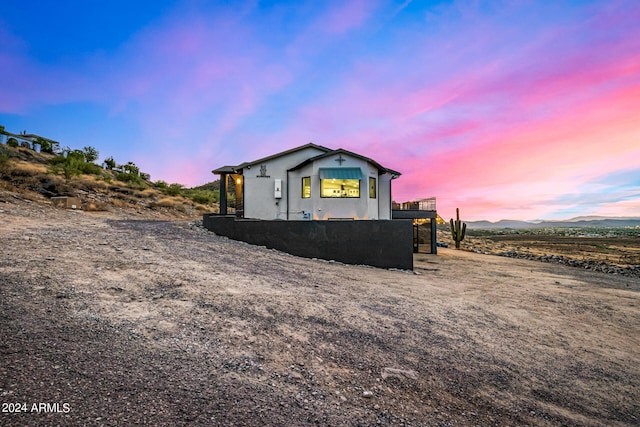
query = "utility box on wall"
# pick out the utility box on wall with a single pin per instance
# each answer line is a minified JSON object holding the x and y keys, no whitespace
{"x":278,"y":189}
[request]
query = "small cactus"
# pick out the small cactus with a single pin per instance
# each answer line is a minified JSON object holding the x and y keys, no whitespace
{"x":458,"y":229}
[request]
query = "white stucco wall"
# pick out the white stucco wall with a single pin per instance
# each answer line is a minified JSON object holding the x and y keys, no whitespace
{"x":260,"y":202}
{"x":384,"y":196}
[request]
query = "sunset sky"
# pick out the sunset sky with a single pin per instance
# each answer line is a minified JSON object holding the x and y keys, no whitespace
{"x":505,"y":109}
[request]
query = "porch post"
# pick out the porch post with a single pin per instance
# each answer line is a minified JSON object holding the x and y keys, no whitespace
{"x":223,"y":193}
{"x":434,"y":236}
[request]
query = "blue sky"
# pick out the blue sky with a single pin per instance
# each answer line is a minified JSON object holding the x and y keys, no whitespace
{"x":506,"y":109}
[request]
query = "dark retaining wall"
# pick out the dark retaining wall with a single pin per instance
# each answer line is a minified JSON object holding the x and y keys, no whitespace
{"x":386,"y":244}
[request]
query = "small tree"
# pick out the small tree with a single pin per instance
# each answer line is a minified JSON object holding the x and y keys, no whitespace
{"x":90,"y":154}
{"x":12,"y":142}
{"x":110,"y":162}
{"x":45,"y":145}
{"x":132,"y":169}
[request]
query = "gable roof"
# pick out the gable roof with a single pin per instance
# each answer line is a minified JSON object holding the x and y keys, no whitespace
{"x":235,"y":169}
{"x":327,"y":152}
{"x":381,"y":169}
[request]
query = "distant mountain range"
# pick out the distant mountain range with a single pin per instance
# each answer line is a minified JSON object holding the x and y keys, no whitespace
{"x":581,"y":221}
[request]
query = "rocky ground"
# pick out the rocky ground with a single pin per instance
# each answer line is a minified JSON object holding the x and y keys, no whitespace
{"x":113,"y":318}
{"x":612,"y":255}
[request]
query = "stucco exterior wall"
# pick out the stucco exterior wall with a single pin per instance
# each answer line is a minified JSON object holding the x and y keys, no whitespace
{"x":259,"y":198}
{"x":323,"y":208}
{"x":260,"y":202}
{"x":384,"y":196}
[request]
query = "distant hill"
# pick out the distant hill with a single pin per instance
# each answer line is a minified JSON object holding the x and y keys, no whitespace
{"x":577,"y":222}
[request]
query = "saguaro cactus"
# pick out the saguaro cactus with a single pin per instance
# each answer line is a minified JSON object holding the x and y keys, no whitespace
{"x":458,"y":229}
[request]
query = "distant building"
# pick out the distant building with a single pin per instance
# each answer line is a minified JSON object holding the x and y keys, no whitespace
{"x":27,"y":140}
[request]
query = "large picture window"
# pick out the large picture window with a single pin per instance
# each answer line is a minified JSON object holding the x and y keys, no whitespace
{"x":349,"y":188}
{"x":340,"y":182}
{"x":306,"y":187}
{"x":372,"y":188}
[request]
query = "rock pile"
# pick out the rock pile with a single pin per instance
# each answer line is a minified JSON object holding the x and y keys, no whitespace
{"x":629,"y":271}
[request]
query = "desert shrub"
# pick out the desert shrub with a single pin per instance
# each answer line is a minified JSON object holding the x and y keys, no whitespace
{"x":92,"y":183}
{"x":74,"y":164}
{"x":205,"y":197}
{"x":119,"y":203}
{"x":107,"y":177}
{"x":131,"y":168}
{"x":4,"y":161}
{"x":167,"y":202}
{"x":174,"y":189}
{"x":91,"y":169}
{"x":160,"y":184}
{"x":45,"y":145}
{"x":130,"y":178}
{"x":12,"y":142}
{"x":148,"y":192}
{"x":95,"y":206}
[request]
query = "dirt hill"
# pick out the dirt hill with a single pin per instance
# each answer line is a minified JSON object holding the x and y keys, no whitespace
{"x":37,"y":177}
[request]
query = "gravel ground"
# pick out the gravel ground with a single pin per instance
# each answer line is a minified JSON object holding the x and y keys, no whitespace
{"x":116,"y":319}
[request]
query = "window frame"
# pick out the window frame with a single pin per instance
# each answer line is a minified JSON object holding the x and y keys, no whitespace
{"x":308,"y":180}
{"x":340,"y":196}
{"x":373,"y":189}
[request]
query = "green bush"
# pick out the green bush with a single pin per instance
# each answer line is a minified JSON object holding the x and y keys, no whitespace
{"x":74,"y":164}
{"x":174,"y":189}
{"x":130,"y":178}
{"x":4,"y":161}
{"x":45,"y":145}
{"x":12,"y":142}
{"x":205,"y":197}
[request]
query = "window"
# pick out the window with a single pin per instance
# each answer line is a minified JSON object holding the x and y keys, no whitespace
{"x":306,"y":187}
{"x":348,"y":188}
{"x":372,"y":188}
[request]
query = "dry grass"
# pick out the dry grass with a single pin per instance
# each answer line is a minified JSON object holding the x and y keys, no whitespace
{"x":22,"y":168}
{"x":168,"y":202}
{"x":119,"y":203}
{"x":91,"y":183}
{"x":150,"y":193}
{"x":95,"y":206}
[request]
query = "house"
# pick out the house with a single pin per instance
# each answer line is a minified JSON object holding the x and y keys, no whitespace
{"x":310,"y":182}
{"x":28,"y":140}
{"x":316,"y":202}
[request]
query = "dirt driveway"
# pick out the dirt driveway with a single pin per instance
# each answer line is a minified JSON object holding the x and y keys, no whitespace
{"x":114,"y":319}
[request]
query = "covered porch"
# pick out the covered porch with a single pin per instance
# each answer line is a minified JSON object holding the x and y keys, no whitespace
{"x":422,"y":212}
{"x":231,"y":182}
